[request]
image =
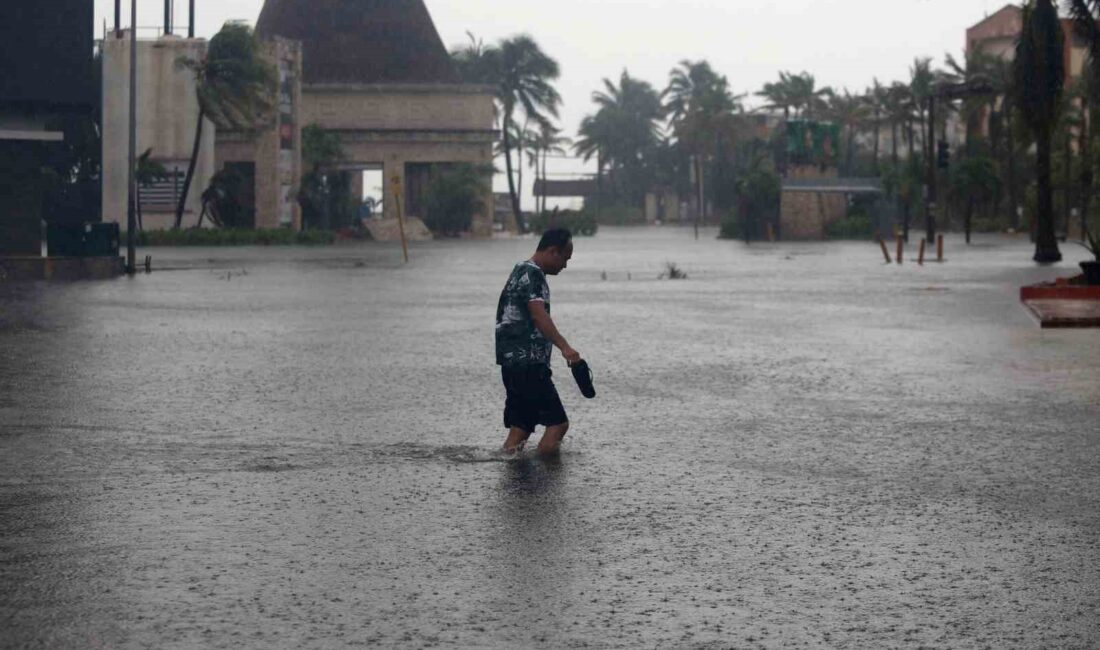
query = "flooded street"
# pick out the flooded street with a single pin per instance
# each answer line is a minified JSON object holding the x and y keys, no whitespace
{"x":795,"y":446}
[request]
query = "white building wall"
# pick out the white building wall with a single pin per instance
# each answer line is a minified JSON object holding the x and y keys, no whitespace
{"x":167,"y":115}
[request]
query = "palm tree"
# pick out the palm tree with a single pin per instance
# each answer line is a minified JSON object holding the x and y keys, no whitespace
{"x":850,"y":112}
{"x":146,"y":172}
{"x":1040,"y":77}
{"x":547,"y":141}
{"x":525,"y":76}
{"x":631,"y":112}
{"x":701,"y":110}
{"x":593,"y":136}
{"x":778,"y":95}
{"x":235,"y":88}
{"x":876,"y":100}
{"x":1086,"y":21}
{"x":804,"y":95}
{"x":476,"y":62}
{"x":523,"y":139}
{"x":898,"y":113}
{"x":973,"y":181}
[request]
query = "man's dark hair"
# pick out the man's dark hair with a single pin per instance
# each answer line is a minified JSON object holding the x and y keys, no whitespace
{"x":559,"y":237}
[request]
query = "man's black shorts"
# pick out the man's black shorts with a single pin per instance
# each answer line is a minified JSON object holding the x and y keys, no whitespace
{"x":532,"y":399}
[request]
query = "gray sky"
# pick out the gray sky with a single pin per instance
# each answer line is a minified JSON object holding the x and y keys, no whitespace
{"x":844,"y":43}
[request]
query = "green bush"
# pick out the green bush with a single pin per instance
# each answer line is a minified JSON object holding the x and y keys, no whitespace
{"x":856,"y":225}
{"x":581,"y":224}
{"x":455,"y":194}
{"x":621,"y":215}
{"x":731,"y":227}
{"x":234,"y":237}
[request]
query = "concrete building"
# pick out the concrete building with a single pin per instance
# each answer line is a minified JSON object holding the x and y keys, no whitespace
{"x":376,"y":73}
{"x":996,"y":35}
{"x":168,"y":113}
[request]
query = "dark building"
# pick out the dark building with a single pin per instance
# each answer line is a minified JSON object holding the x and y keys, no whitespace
{"x":46,"y":77}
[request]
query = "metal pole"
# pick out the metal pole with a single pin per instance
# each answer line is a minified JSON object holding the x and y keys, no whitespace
{"x":118,"y":18}
{"x":167,"y":17}
{"x":131,"y":205}
{"x":191,"y":19}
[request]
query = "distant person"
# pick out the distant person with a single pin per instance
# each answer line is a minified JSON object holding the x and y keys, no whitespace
{"x":525,"y":338}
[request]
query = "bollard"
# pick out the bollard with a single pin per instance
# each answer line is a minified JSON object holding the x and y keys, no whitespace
{"x":939,"y":248}
{"x":148,"y":263}
{"x":901,"y":248}
{"x":885,"y":251}
{"x":920,"y":252}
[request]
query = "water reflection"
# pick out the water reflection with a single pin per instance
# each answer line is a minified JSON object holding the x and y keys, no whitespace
{"x":532,"y":541}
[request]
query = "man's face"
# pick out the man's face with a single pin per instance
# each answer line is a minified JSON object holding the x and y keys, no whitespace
{"x":559,"y":258}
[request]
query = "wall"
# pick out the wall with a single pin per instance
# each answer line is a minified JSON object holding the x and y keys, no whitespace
{"x":393,"y":125}
{"x":804,"y":215}
{"x":167,"y":116}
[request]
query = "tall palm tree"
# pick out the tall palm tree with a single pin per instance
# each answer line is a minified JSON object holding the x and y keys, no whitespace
{"x":876,"y":101}
{"x":235,"y":87}
{"x":631,"y":111}
{"x":701,"y":110}
{"x":548,"y":140}
{"x":1040,"y":77}
{"x":850,"y":112}
{"x":778,"y":94}
{"x":525,"y":82}
{"x":523,"y":138}
{"x":804,"y":95}
{"x":592,"y":138}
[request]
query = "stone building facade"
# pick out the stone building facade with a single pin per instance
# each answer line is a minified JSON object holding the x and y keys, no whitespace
{"x":269,"y":161}
{"x":376,"y":73}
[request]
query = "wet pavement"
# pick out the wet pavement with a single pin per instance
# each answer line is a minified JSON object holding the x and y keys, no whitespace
{"x":795,"y":446}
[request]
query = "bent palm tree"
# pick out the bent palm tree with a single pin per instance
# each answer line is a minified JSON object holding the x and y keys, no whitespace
{"x":526,"y":73}
{"x":235,"y":88}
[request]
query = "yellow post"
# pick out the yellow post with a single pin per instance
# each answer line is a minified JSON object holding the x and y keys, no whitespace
{"x":395,"y":182}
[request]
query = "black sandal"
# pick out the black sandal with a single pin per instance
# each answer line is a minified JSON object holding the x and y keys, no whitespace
{"x":583,"y":374}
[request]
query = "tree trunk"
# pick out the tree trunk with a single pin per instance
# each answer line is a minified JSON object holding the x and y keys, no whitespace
{"x":516,"y":214}
{"x":851,"y":147}
{"x":1013,"y":191}
{"x":969,"y":216}
{"x":874,"y":157}
{"x":905,"y":208}
{"x":1046,"y":246}
{"x":190,"y":171}
{"x":1085,"y":148}
{"x":1067,"y":157}
{"x":894,"y":143}
{"x":140,"y":216}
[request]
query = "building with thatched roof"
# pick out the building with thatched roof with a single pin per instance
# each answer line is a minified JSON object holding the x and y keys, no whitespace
{"x":376,"y":73}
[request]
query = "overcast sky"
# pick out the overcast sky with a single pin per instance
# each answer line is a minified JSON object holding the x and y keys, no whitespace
{"x":843,"y":43}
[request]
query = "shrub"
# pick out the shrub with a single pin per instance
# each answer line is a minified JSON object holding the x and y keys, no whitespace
{"x":730,"y":227}
{"x":455,"y":195}
{"x":234,"y":237}
{"x":621,"y":215}
{"x":856,"y":225}
{"x":581,"y":224}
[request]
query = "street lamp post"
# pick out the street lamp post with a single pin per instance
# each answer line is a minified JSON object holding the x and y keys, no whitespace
{"x":131,"y":203}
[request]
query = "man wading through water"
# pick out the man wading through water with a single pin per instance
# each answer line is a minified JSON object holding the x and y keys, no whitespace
{"x":525,"y":334}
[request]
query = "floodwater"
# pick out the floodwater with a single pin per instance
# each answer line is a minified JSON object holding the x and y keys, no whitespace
{"x":795,"y":446}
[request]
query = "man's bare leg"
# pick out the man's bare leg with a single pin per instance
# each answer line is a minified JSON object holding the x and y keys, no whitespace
{"x":516,"y":439}
{"x":551,"y":440}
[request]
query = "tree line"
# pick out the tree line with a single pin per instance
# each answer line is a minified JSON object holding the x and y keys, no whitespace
{"x":1028,"y":158}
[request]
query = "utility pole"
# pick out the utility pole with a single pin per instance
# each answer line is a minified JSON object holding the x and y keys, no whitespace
{"x":131,"y":203}
{"x":191,"y":19}
{"x":118,"y":18}
{"x":167,"y":17}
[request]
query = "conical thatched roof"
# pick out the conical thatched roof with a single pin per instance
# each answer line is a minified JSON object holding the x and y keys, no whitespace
{"x":361,"y":41}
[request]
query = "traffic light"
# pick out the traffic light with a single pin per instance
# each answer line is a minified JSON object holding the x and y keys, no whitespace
{"x":943,"y":154}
